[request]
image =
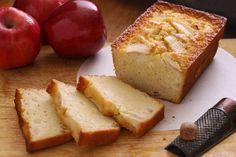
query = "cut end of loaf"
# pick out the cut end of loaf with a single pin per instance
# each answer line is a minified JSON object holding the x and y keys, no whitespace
{"x":150,"y":74}
{"x":160,"y":50}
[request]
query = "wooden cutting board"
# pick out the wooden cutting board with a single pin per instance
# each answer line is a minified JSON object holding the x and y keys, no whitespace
{"x":38,"y":75}
{"x":48,"y":66}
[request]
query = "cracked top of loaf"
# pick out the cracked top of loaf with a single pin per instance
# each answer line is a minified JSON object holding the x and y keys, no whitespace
{"x":178,"y":34}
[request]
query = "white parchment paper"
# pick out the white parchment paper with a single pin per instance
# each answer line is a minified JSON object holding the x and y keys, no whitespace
{"x":218,"y":81}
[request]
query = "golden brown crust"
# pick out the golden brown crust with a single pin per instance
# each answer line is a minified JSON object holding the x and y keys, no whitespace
{"x":197,"y":68}
{"x":49,"y":142}
{"x":95,"y":138}
{"x":51,"y":89}
{"x":146,"y":126}
{"x":83,"y":84}
{"x":133,"y":29}
{"x":159,"y":6}
{"x":99,"y":99}
{"x":99,"y":137}
{"x":24,"y":125}
{"x":32,"y":146}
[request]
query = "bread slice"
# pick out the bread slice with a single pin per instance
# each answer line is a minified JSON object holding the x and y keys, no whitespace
{"x":38,"y":120}
{"x":131,"y":108}
{"x":89,"y":127}
{"x":166,"y":49}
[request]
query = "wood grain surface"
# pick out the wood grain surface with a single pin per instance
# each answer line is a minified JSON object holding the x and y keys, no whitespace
{"x":118,"y":14}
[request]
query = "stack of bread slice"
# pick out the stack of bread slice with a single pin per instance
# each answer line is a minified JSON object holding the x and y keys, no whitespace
{"x":88,"y":126}
{"x":92,"y":114}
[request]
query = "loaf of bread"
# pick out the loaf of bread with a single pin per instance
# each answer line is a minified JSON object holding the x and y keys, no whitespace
{"x":166,"y":49}
{"x":38,"y":120}
{"x":131,"y":108}
{"x":88,"y":126}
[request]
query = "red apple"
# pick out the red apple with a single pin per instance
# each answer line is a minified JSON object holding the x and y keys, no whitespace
{"x":39,"y":9}
{"x":19,"y":38}
{"x":76,"y":29}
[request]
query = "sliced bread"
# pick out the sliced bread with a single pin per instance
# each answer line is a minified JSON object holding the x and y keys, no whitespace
{"x":88,"y":126}
{"x":38,"y":120}
{"x":131,"y":108}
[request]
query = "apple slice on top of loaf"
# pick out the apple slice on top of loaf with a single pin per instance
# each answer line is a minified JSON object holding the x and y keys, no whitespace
{"x":166,"y":49}
{"x":131,"y":108}
{"x":88,"y":126}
